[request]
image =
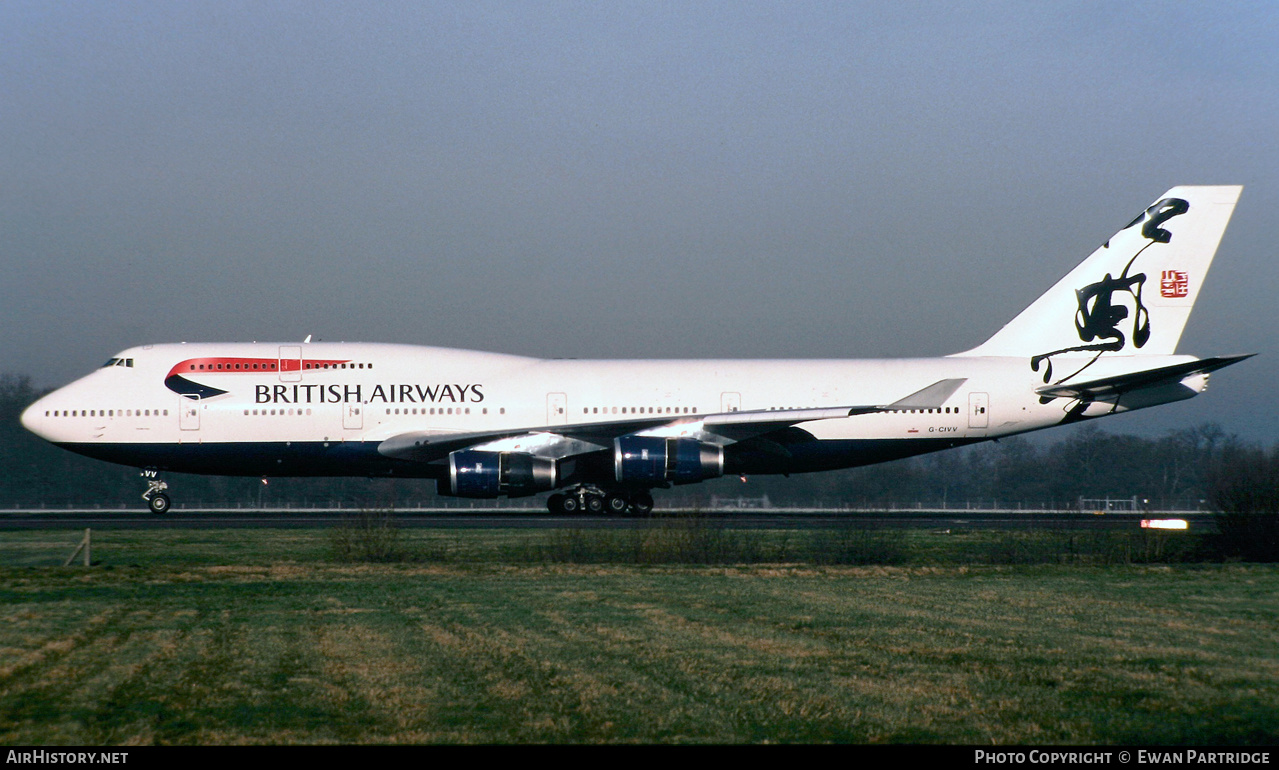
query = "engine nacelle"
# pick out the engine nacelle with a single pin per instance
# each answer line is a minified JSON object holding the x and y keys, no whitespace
{"x":654,"y":459}
{"x":475,"y":473}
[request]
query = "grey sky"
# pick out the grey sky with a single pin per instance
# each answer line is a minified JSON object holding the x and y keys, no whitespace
{"x":620,"y":180}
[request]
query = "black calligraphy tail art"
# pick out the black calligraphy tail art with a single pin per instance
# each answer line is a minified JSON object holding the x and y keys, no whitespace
{"x":1105,"y":305}
{"x":1131,"y":297}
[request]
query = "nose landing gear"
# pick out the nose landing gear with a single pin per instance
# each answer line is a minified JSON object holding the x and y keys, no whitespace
{"x":156,"y":499}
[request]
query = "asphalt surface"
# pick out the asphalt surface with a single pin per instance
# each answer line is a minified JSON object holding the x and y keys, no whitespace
{"x":443,"y":519}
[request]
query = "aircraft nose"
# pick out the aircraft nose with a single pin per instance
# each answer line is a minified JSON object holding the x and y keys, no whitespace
{"x":33,"y":418}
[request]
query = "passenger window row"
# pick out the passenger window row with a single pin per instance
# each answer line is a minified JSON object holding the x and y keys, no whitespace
{"x":638,"y":410}
{"x":942,"y":410}
{"x":273,"y":412}
{"x":106,"y":413}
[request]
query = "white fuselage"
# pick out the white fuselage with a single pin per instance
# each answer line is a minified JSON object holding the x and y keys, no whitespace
{"x":266,"y":399}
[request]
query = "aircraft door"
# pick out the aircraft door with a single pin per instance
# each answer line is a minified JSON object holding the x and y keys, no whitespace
{"x":189,"y":412}
{"x":556,"y":408}
{"x":290,"y":363}
{"x":353,"y":416}
{"x":730,"y":402}
{"x":978,"y":406}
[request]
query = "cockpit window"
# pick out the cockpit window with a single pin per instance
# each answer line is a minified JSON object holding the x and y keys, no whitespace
{"x":118,"y":362}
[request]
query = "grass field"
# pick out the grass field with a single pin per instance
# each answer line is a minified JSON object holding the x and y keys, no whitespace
{"x":263,"y":636}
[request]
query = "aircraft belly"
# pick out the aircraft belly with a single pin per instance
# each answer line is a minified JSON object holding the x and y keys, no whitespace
{"x":795,"y":451}
{"x":272,"y":459}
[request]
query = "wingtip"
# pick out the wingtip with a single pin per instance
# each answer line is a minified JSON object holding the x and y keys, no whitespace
{"x":931,"y":397}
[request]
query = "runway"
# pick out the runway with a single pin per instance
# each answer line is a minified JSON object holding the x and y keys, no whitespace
{"x":796,"y":519}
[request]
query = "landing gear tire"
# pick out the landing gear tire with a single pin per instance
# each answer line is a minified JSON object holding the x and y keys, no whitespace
{"x":159,"y":503}
{"x":616,"y":504}
{"x":594,"y":504}
{"x":643,"y":503}
{"x":570,"y":504}
{"x":555,"y":503}
{"x":156,"y":499}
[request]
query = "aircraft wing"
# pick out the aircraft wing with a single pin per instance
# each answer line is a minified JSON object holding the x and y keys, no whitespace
{"x":568,"y":440}
{"x":1164,"y":375}
{"x":739,"y":426}
{"x":425,"y":446}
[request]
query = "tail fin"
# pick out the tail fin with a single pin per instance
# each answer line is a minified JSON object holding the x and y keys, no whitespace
{"x":1134,"y":294}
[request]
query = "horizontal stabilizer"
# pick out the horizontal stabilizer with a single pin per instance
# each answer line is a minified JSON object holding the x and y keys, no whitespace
{"x":1122,"y":383}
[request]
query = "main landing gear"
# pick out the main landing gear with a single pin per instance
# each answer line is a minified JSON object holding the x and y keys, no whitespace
{"x":591,"y":499}
{"x":156,"y":499}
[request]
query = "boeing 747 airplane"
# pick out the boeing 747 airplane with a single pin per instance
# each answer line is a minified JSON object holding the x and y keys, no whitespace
{"x":601,"y":435}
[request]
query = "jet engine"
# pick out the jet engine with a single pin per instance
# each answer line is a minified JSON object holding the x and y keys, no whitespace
{"x":654,"y":459}
{"x":475,"y":473}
